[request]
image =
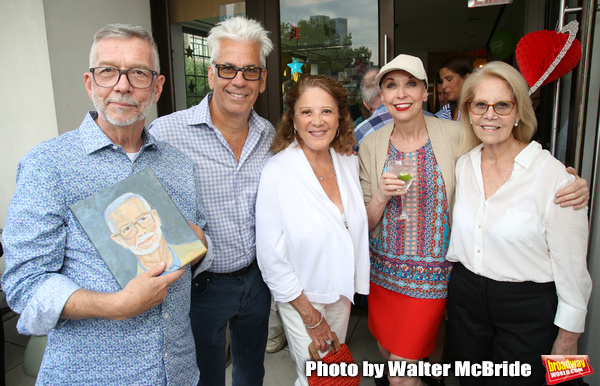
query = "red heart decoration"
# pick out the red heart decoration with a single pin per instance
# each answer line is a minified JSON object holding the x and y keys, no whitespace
{"x":537,"y":50}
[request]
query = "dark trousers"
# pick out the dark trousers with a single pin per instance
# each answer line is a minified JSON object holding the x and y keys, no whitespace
{"x":243,"y":301}
{"x":501,"y":321}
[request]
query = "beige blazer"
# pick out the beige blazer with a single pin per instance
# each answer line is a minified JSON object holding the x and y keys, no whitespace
{"x":445,"y":137}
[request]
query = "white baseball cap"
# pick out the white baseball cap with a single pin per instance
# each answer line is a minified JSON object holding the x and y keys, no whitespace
{"x":408,"y":63}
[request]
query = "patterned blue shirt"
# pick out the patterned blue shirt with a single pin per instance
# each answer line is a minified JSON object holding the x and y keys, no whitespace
{"x":380,"y":118}
{"x":49,"y":256}
{"x":228,"y":188}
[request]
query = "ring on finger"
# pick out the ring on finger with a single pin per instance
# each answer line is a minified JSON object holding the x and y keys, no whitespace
{"x":328,"y":341}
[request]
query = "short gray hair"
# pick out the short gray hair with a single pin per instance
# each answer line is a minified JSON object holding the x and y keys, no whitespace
{"x":369,"y":87}
{"x":117,"y":203}
{"x":240,"y":30}
{"x":124,"y":31}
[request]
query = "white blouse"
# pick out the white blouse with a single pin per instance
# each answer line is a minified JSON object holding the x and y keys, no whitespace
{"x":302,"y":243}
{"x":519,"y":234}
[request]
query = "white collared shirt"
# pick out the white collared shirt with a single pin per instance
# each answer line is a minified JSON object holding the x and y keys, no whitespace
{"x":519,"y":234}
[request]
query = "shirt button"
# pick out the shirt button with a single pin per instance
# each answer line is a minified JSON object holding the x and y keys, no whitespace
{"x":479,"y":226}
{"x":166,"y":316}
{"x":478,"y":251}
{"x":166,"y":355}
{"x":115,"y":147}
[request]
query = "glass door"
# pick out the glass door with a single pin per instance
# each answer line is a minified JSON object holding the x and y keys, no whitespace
{"x":336,"y":38}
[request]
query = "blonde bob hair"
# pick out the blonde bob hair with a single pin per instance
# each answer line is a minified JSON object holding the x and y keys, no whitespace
{"x":514,"y":80}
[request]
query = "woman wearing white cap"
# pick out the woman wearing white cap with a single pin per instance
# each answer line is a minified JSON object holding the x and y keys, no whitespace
{"x":409,"y":272}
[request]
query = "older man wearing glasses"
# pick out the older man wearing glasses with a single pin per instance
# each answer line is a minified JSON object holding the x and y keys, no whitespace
{"x":99,"y":333}
{"x":137,"y":227}
{"x":229,"y":143}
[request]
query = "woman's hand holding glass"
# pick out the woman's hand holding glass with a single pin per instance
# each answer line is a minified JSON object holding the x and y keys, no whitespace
{"x":390,"y":185}
{"x":403,"y":172}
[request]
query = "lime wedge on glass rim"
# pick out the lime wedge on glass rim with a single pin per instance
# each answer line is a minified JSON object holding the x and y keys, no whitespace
{"x":404,"y":176}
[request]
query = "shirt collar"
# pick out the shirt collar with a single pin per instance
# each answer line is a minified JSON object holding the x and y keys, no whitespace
{"x":380,"y":109}
{"x":524,"y":158}
{"x":527,"y":155}
{"x":201,"y":115}
{"x":94,"y":139}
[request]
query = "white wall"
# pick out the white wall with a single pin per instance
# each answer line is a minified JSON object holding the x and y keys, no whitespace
{"x":70,"y":26}
{"x":48,"y":43}
{"x":26,"y":102}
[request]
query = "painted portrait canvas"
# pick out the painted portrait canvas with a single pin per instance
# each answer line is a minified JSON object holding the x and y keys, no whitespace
{"x":134,"y":224}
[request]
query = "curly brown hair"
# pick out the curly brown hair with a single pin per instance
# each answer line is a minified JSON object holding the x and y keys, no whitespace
{"x":285,"y":135}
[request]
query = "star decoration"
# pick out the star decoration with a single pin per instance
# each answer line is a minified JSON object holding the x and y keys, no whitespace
{"x":296,"y":66}
{"x":189,"y":51}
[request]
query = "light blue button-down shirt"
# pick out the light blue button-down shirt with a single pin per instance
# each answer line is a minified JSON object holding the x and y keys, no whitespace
{"x":228,"y":188}
{"x":49,"y":256}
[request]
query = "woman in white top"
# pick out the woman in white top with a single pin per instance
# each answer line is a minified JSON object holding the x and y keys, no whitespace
{"x":311,"y":222}
{"x":520,"y":286}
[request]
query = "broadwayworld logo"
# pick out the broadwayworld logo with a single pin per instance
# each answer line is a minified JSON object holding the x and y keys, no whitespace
{"x":562,"y":368}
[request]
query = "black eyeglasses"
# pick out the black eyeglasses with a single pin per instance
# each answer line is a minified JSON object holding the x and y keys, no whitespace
{"x":501,"y":108}
{"x":110,"y":76}
{"x":130,"y":230}
{"x":228,"y":71}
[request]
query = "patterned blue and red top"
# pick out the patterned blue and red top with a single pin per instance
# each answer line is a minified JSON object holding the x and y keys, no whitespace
{"x":408,"y":256}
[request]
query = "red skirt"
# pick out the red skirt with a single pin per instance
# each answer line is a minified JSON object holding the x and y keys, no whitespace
{"x":405,"y":326}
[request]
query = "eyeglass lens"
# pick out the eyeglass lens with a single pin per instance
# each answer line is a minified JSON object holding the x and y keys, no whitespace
{"x":130,"y":230}
{"x":501,"y":108}
{"x":227,"y":71}
{"x":109,"y":76}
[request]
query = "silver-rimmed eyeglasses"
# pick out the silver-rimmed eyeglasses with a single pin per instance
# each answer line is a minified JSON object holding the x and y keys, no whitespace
{"x":228,"y":71}
{"x":110,"y":76}
{"x":129,"y":230}
{"x":481,"y":107}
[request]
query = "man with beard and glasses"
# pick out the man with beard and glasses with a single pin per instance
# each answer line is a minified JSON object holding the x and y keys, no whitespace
{"x":137,"y":227}
{"x":99,"y":333}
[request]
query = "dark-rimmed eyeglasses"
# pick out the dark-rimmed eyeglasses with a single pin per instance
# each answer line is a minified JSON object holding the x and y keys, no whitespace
{"x":129,"y":230}
{"x":500,"y":108}
{"x":110,"y":76}
{"x":228,"y":71}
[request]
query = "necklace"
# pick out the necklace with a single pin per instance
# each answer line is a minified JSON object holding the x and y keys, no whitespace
{"x":321,"y":178}
{"x":513,"y":165}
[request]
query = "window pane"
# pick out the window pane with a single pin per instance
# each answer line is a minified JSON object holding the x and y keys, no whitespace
{"x":334,"y":38}
{"x":197,"y":60}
